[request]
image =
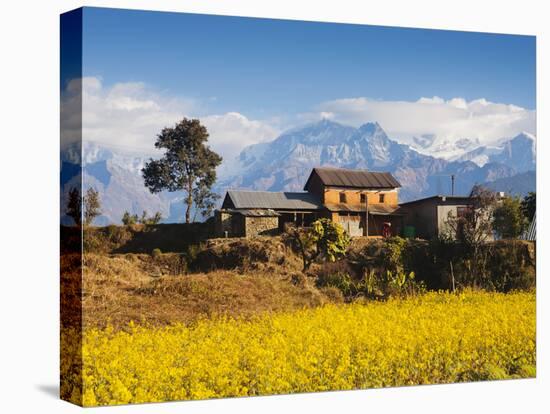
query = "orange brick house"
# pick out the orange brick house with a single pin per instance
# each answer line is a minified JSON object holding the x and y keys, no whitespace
{"x":347,"y":195}
{"x":342,"y":195}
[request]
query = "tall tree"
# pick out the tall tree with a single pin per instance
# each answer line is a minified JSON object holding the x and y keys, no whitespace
{"x":92,"y":206}
{"x":508,"y":219}
{"x":74,"y":206}
{"x":188,"y":165}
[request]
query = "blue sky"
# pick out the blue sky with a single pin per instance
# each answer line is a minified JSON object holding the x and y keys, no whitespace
{"x":250,"y":79}
{"x":263,"y":66}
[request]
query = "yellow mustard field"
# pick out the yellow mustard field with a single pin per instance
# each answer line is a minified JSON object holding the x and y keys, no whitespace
{"x":434,"y":338}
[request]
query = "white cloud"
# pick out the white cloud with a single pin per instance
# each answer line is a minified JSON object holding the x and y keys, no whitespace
{"x":130,"y":115}
{"x":449,"y":120}
{"x":231,"y":132}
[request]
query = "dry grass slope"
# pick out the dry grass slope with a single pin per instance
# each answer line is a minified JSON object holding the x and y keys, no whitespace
{"x":118,"y":289}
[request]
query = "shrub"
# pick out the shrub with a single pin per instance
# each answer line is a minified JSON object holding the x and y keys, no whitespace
{"x":129,"y":219}
{"x":104,"y":239}
{"x":324,"y":239}
{"x":156,"y":253}
{"x":508,"y":219}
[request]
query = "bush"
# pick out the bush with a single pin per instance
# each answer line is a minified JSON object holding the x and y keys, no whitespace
{"x":156,"y":253}
{"x":381,"y":283}
{"x":325,"y":239}
{"x":104,"y":239}
{"x":441,"y":264}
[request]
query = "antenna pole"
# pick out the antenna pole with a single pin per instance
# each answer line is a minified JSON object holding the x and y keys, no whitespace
{"x":367,"y":214}
{"x":452,"y":184}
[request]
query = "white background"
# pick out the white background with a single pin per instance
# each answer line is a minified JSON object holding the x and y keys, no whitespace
{"x":29,"y":163}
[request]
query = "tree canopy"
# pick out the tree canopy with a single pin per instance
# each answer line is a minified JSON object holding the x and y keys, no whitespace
{"x":188,"y":165}
{"x":92,"y":206}
{"x":508,"y":219}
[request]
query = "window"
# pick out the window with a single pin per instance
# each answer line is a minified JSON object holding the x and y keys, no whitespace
{"x":461,"y":211}
{"x":363,"y":198}
{"x":342,"y":197}
{"x":381,"y":198}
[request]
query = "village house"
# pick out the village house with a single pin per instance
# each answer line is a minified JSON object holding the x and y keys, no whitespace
{"x":426,"y":218}
{"x":342,"y":195}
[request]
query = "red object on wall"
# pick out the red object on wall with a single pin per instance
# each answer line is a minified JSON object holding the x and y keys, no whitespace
{"x":386,"y":229}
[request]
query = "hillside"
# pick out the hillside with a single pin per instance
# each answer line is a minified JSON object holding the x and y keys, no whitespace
{"x":519,"y":184}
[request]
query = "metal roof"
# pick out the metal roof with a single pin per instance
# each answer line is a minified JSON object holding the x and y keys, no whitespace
{"x":374,"y":209}
{"x":271,"y":200}
{"x":531,"y":232}
{"x":341,"y":177}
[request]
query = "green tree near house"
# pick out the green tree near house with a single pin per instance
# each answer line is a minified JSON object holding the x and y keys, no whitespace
{"x":325,"y":239}
{"x":188,"y":165}
{"x":508,"y":218}
{"x":92,"y":206}
{"x":529,"y":205}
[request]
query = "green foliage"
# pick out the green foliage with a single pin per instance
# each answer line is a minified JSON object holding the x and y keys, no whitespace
{"x":156,"y":253}
{"x":384,"y":266}
{"x":154,"y":219}
{"x":393,"y":254}
{"x":340,"y":280}
{"x":529,"y":205}
{"x":188,"y":165}
{"x":373,"y":284}
{"x":92,"y":206}
{"x":330,"y":238}
{"x":129,"y":219}
{"x":325,"y":239}
{"x":508,"y":219}
{"x":74,"y":206}
{"x":507,"y":265}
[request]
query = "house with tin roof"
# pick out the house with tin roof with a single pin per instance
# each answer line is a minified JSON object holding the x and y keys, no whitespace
{"x":364,"y":202}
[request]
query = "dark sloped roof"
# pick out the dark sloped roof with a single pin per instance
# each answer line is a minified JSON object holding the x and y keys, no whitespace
{"x":341,"y":177}
{"x":273,"y":200}
{"x":449,"y":199}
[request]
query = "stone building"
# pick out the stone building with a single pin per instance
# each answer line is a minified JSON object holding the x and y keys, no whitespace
{"x":246,"y":223}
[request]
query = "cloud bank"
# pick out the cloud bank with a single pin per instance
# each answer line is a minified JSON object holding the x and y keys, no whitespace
{"x":446,"y":121}
{"x":129,"y":116}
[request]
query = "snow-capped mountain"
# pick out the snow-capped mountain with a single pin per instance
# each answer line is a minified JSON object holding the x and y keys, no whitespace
{"x":285,"y":164}
{"x":519,"y":152}
{"x":116,"y":175}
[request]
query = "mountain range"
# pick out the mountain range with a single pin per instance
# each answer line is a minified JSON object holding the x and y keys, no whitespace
{"x":285,"y":163}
